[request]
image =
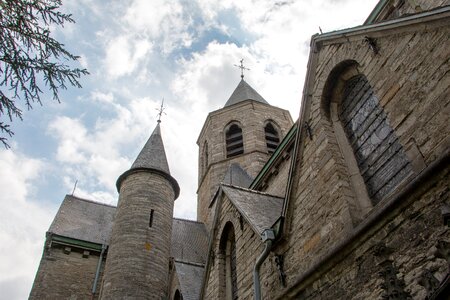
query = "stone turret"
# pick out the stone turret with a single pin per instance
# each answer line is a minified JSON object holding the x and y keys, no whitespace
{"x":138,"y":257}
{"x":245,"y":132}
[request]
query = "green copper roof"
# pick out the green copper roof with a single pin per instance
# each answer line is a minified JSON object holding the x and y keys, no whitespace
{"x":244,"y":92}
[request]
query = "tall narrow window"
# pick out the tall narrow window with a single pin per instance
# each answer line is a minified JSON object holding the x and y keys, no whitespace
{"x":228,"y":273}
{"x":234,"y":141}
{"x":205,"y":157}
{"x":150,"y":220}
{"x":177,"y":295}
{"x":272,"y":138}
{"x":381,"y":159}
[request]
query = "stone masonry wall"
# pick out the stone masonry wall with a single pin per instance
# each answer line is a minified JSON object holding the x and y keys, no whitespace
{"x":274,"y":183}
{"x":406,"y":253}
{"x":138,"y":258}
{"x":398,"y":8}
{"x":248,"y":247}
{"x":251,"y":116}
{"x":410,"y":77}
{"x":65,"y":274}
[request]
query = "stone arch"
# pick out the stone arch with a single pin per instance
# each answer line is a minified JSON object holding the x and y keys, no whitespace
{"x":373,"y":155}
{"x":177,"y":295}
{"x":234,"y":140}
{"x":272,"y":134}
{"x":228,"y":263}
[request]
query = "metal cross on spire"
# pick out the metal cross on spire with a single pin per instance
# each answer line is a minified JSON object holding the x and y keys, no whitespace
{"x":241,"y":66}
{"x":161,"y":111}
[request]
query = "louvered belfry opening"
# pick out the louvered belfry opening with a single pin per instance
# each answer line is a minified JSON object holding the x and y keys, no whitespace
{"x":235,"y":144}
{"x":381,"y":159}
{"x":272,"y":138}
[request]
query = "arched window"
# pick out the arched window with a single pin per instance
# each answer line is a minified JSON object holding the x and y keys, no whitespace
{"x":205,"y":157}
{"x":272,"y":138}
{"x":178,"y":295}
{"x":381,"y":159}
{"x":227,"y":259}
{"x":374,"y":156}
{"x":234,"y":141}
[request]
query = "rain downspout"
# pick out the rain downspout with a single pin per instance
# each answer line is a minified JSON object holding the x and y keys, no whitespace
{"x":267,"y":237}
{"x":97,"y":273}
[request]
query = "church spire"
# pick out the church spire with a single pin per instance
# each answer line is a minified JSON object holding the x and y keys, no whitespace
{"x":153,"y":155}
{"x":244,"y":92}
{"x":152,"y":158}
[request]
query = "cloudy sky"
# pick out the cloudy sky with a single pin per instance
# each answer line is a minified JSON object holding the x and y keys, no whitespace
{"x":138,"y":52}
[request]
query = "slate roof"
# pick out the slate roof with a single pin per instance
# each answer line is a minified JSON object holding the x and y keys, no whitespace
{"x":190,"y":279}
{"x":261,"y":210}
{"x":244,"y":92}
{"x":152,"y":155}
{"x":237,"y":176}
{"x":83,"y":220}
{"x":189,"y":241}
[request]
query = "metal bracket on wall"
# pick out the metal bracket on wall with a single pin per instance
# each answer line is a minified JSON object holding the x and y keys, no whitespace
{"x":308,"y":130}
{"x":279,"y":261}
{"x":371,"y":42}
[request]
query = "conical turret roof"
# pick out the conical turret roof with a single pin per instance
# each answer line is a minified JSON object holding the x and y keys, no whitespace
{"x":153,"y":155}
{"x":152,"y":158}
{"x":244,"y":92}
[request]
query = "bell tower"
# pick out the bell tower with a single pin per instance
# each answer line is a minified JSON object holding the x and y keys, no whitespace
{"x":246,"y":132}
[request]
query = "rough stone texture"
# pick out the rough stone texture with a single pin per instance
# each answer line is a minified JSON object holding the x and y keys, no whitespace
{"x":251,"y":116}
{"x":274,"y":182}
{"x":410,"y":77}
{"x":337,"y":246}
{"x":411,"y":235}
{"x":138,"y":258}
{"x":66,"y":276}
{"x":398,"y":8}
{"x":248,"y":248}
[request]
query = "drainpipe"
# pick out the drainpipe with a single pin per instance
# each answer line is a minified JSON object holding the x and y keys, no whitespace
{"x":267,"y":237}
{"x":97,"y":273}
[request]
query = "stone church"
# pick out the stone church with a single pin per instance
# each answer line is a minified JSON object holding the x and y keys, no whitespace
{"x":349,"y":202}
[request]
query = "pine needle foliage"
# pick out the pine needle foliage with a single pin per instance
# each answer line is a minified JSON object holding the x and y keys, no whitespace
{"x":30,"y":58}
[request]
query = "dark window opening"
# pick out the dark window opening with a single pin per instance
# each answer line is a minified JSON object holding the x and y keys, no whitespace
{"x":380,"y":156}
{"x":205,"y":157}
{"x":178,"y":295}
{"x":272,"y":138}
{"x":228,"y":288}
{"x":234,"y":141}
{"x":150,"y":221}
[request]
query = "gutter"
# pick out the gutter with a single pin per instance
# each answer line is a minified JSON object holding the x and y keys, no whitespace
{"x":435,"y":14}
{"x":97,"y":273}
{"x":300,"y":136}
{"x":316,"y":42}
{"x":268,"y":236}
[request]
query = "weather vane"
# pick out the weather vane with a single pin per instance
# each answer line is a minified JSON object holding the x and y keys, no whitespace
{"x":161,"y":111}
{"x":241,"y":66}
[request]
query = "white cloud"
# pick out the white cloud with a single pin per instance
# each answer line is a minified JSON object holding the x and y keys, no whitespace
{"x":124,"y":54}
{"x":24,"y":223}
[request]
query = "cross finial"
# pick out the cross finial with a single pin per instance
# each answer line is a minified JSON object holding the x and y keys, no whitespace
{"x":161,"y":111}
{"x":241,"y":66}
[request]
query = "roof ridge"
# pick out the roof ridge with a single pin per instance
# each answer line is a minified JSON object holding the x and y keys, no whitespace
{"x":200,"y":265}
{"x":188,"y":220}
{"x":250,"y":190}
{"x":90,"y":201}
